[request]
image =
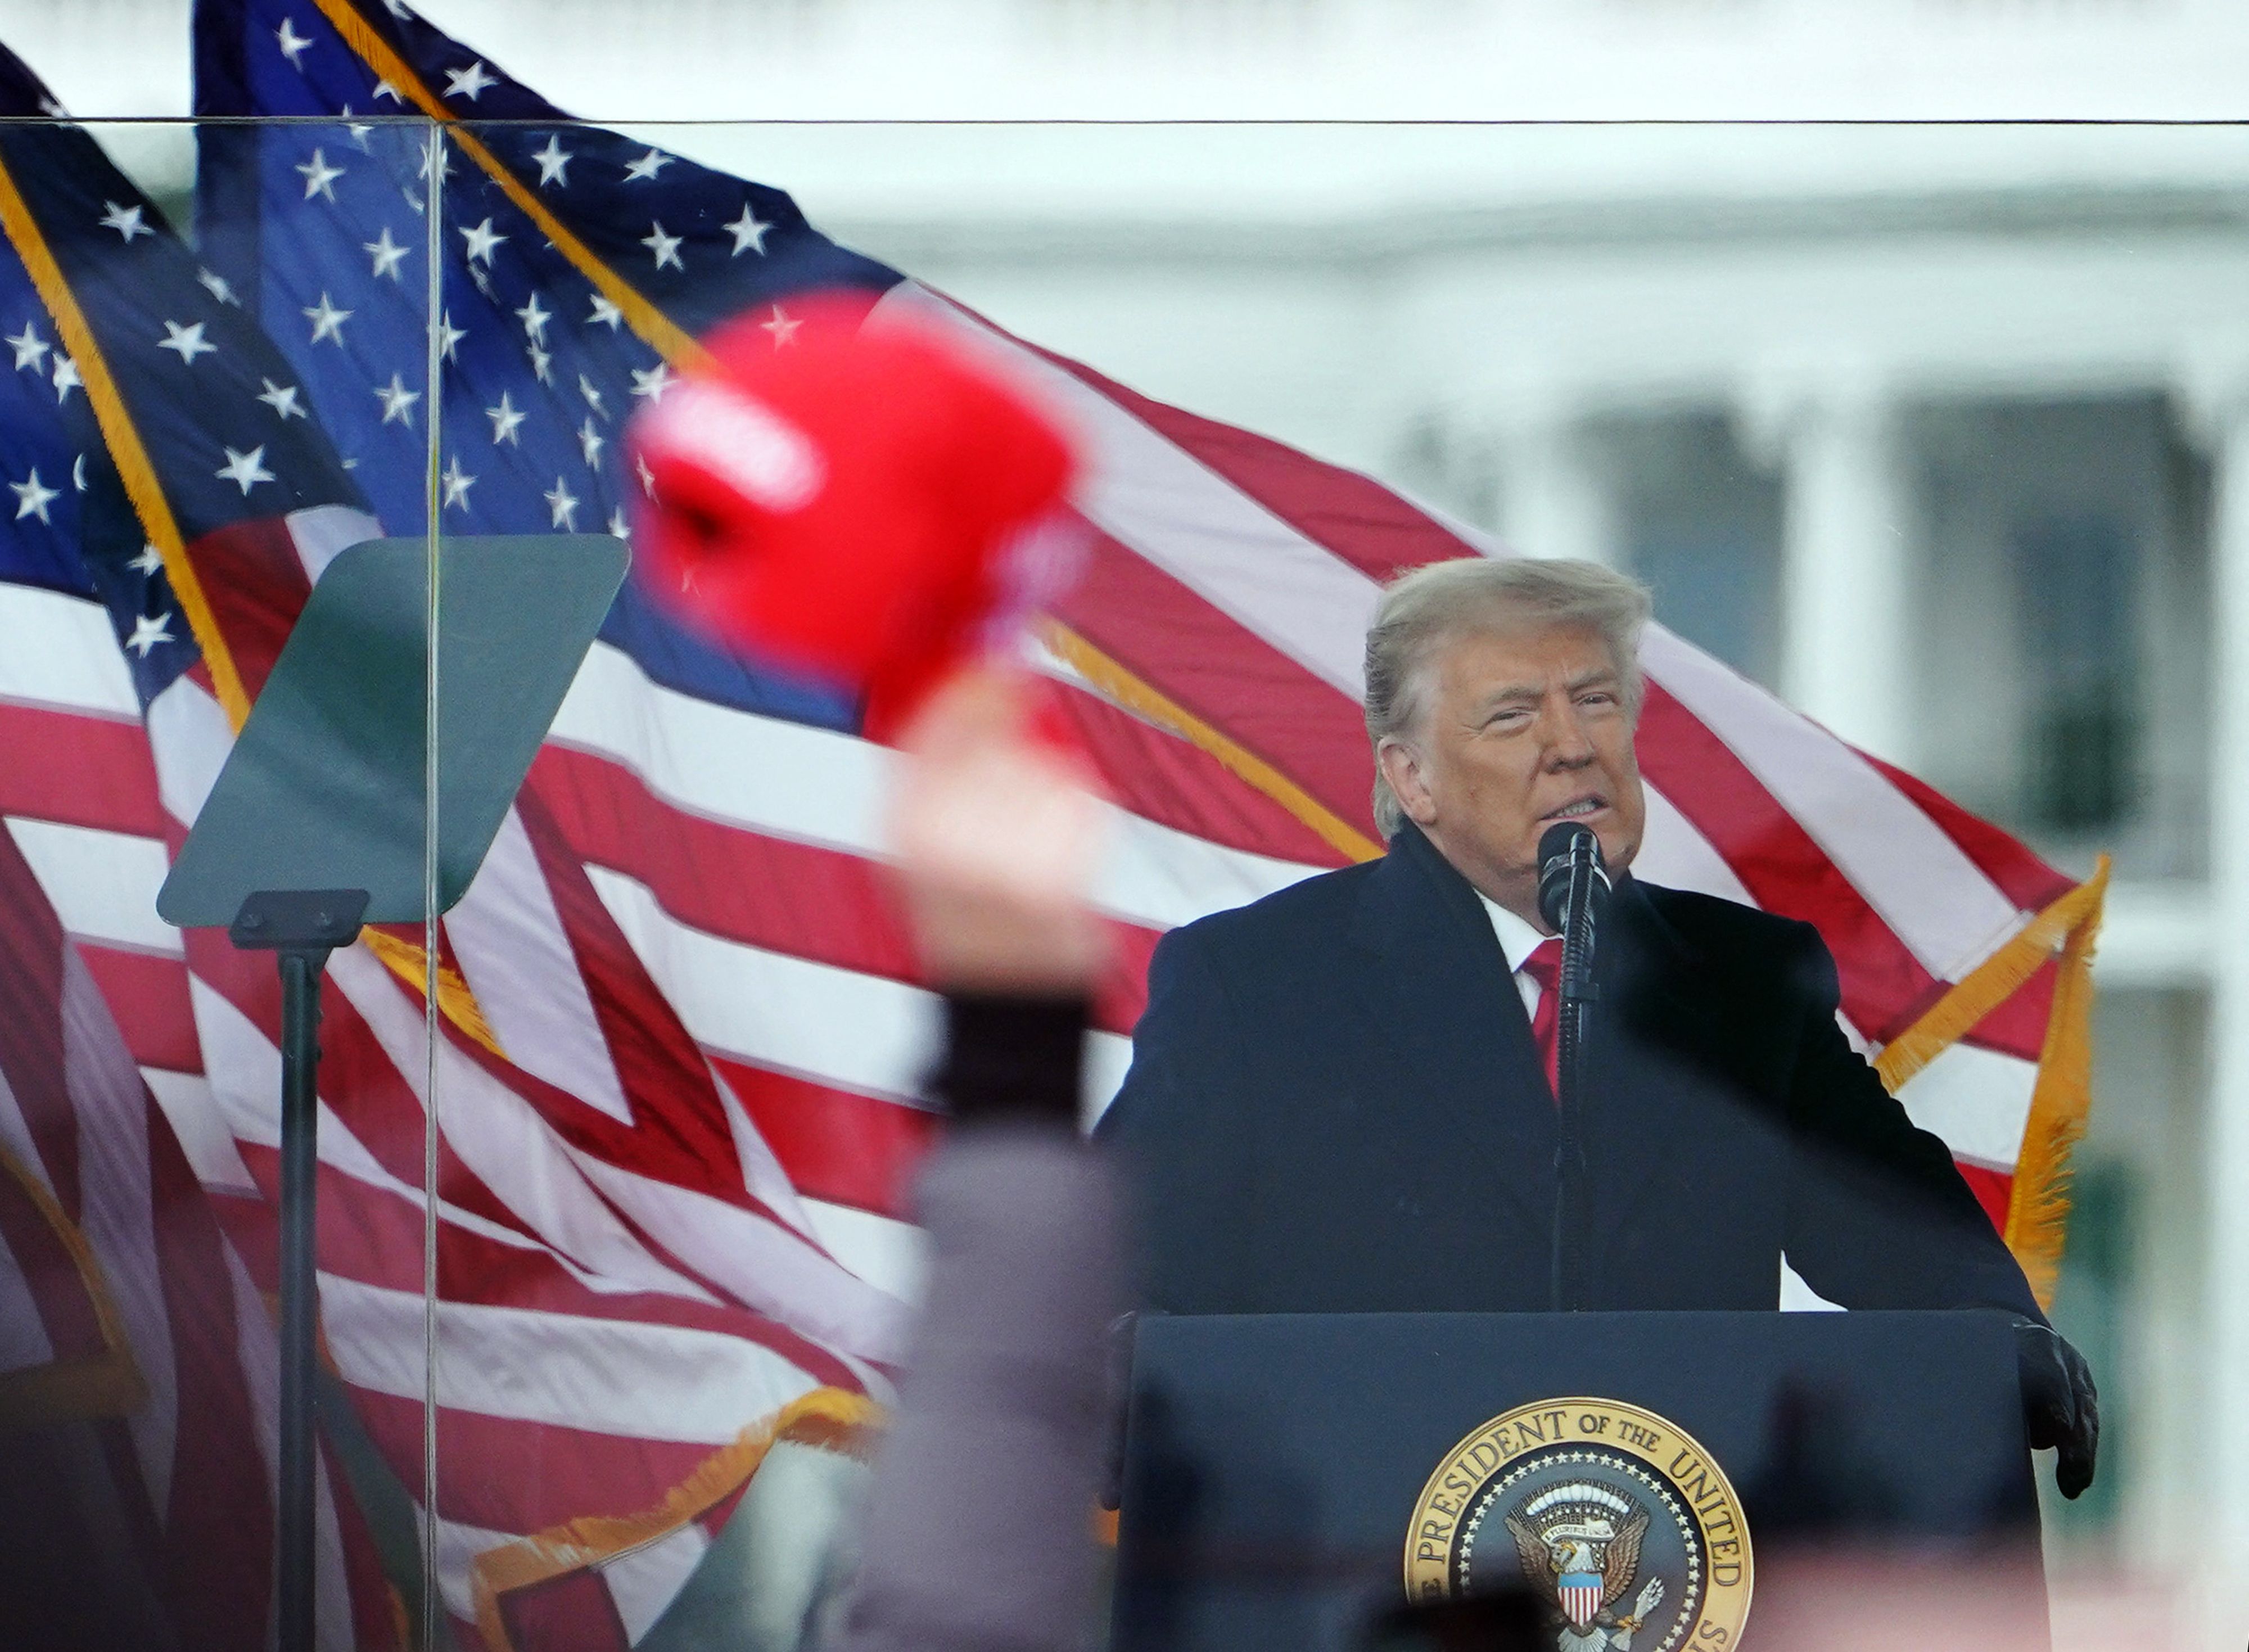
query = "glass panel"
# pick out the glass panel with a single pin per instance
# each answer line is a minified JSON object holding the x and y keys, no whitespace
{"x":215,"y":394}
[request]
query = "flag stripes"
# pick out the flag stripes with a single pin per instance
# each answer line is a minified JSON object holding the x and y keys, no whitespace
{"x":117,"y":1281}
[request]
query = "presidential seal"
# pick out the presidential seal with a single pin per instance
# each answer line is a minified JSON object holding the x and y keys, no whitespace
{"x":1615,"y":1517}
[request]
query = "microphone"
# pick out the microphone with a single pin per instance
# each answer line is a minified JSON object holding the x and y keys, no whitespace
{"x":1573,"y":886}
{"x":1570,"y":874}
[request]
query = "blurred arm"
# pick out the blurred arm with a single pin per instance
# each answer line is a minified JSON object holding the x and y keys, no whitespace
{"x":979,"y":1529}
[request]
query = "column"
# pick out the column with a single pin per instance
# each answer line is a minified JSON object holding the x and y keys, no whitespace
{"x":1554,"y":500}
{"x":1847,"y":557}
{"x":2218,"y":411}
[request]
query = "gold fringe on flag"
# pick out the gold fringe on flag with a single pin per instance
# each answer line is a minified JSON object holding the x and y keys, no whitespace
{"x":407,"y":960}
{"x":828,"y":1418}
{"x":2038,"y":1213}
{"x":2038,"y":1209}
{"x":108,"y":1384}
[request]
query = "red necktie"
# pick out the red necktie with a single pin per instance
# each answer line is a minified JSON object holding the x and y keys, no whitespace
{"x":1545,"y":967}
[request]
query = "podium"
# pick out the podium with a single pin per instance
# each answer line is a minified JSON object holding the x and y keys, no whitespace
{"x":1289,"y":1477}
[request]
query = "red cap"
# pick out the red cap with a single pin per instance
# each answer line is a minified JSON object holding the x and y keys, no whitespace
{"x":873,"y":503}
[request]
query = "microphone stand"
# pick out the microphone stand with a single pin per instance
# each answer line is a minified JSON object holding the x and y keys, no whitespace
{"x":1572,"y":885}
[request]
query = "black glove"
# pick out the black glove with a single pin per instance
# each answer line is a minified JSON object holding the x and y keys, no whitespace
{"x":2061,"y":1410}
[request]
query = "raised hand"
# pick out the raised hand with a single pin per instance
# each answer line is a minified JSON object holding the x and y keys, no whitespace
{"x":997,"y":840}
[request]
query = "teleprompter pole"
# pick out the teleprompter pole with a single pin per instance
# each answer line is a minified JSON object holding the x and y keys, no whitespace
{"x":302,"y":927}
{"x":300,"y":1062}
{"x":324,"y":815}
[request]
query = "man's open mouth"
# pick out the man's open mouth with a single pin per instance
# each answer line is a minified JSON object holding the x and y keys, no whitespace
{"x":1576,"y":808}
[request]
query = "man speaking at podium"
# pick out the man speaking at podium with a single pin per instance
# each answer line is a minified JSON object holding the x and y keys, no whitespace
{"x":1342,"y":1097}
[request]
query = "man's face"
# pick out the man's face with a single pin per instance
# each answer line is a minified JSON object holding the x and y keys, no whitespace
{"x":1519,"y":730}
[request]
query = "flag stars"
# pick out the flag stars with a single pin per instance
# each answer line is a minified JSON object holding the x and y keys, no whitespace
{"x":647,"y":477}
{"x":328,"y":321}
{"x":66,"y":378}
{"x":561,"y":506}
{"x":481,"y":242}
{"x":782,"y":326}
{"x":282,"y":398}
{"x":653,"y":383}
{"x":149,"y":630}
{"x":218,"y":286}
{"x":471,"y":82}
{"x":542,"y":365}
{"x":458,"y":483}
{"x":554,"y":162}
{"x":592,"y":396}
{"x":33,"y":497}
{"x":506,"y":419}
{"x":384,"y":89}
{"x":31,"y":349}
{"x":534,"y":318}
{"x":292,"y":43}
{"x":78,"y":473}
{"x":748,"y":232}
{"x":386,"y":252}
{"x":665,"y":247}
{"x":605,"y":313}
{"x":186,"y":343}
{"x":320,"y":177}
{"x":398,"y":401}
{"x":648,"y":166}
{"x":127,"y":221}
{"x":590,"y":442}
{"x":149,"y":563}
{"x":449,"y":337}
{"x":619,"y":528}
{"x":247,"y":470}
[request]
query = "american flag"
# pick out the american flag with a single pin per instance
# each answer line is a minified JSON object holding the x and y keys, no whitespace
{"x":137,"y":1363}
{"x":636,"y":1301}
{"x":683,"y":1037}
{"x":137,"y":1379}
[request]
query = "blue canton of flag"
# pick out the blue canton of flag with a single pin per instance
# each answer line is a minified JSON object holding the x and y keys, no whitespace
{"x":183,"y":386}
{"x":571,"y":262}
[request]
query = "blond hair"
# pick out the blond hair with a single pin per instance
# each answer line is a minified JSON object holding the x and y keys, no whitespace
{"x":1432,"y":605}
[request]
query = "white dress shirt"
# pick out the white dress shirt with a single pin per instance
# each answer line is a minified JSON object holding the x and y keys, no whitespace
{"x":1518,"y":940}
